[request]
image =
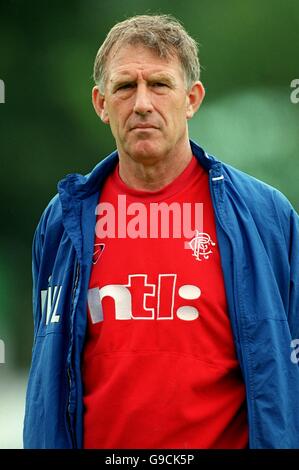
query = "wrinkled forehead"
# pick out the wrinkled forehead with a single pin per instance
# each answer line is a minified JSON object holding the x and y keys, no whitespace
{"x":128,"y":58}
{"x":136,"y":43}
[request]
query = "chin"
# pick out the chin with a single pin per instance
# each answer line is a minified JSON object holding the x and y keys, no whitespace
{"x":145,"y":151}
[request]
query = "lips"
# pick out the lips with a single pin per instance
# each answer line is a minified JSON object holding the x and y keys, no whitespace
{"x":143,"y":126}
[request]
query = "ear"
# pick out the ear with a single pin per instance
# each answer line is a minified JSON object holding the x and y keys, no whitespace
{"x":195,"y":97}
{"x":99,"y":104}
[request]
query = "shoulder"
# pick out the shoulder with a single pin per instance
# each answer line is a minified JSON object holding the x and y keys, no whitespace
{"x":52,"y":214}
{"x":268,"y":206}
{"x":255,"y":192}
{"x":50,"y":226}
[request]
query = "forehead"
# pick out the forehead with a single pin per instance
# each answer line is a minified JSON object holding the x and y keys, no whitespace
{"x":129,"y":60}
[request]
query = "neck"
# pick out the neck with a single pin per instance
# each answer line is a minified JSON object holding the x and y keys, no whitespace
{"x":154,"y":175}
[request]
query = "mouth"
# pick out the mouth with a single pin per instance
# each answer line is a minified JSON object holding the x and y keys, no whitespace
{"x":143,"y":127}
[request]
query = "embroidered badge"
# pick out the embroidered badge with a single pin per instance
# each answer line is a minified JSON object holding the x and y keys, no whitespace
{"x":201,"y":245}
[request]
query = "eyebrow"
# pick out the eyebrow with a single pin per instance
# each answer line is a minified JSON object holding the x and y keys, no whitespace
{"x":127,"y":78}
{"x":162,"y":76}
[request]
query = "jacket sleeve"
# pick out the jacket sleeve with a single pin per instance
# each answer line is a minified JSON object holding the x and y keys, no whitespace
{"x":294,"y":275}
{"x":289,"y":223}
{"x":47,"y":231}
{"x":36,"y":261}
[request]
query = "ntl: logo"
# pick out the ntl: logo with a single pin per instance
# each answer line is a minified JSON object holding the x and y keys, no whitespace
{"x":2,"y":352}
{"x":2,"y":91}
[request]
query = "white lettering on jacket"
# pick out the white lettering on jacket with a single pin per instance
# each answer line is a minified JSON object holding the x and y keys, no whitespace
{"x":50,"y":298}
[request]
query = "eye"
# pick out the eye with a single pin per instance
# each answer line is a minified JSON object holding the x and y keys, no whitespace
{"x":159,"y":84}
{"x":125,"y":86}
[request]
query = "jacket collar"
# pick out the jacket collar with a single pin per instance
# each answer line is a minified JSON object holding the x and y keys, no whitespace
{"x":81,"y":187}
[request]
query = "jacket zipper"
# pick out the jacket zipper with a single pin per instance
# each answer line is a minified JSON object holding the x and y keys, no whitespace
{"x":219,"y":219}
{"x":69,"y":418}
{"x":69,"y":370}
{"x":236,"y":302}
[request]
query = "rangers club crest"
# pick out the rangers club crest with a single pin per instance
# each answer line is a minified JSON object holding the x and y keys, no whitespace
{"x":201,"y":245}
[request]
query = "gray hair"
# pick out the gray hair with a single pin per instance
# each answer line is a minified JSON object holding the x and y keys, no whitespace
{"x":162,"y":33}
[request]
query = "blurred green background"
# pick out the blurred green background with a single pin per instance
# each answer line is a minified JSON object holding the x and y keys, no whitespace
{"x":249,"y":54}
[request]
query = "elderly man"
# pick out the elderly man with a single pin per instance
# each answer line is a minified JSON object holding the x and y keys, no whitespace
{"x":165,"y":282}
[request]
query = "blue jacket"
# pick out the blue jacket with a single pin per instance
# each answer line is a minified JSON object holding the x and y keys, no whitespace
{"x":258,"y":238}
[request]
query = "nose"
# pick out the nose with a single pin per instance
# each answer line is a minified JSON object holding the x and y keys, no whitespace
{"x":143,"y":103}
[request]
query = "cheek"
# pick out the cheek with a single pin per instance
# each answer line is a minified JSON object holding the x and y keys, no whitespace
{"x":175,"y":109}
{"x":120,"y":113}
{"x":115,"y":121}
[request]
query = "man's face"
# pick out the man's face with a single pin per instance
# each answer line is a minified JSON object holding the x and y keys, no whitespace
{"x":145,"y":102}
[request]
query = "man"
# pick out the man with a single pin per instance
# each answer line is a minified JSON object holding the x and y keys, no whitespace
{"x":165,"y":282}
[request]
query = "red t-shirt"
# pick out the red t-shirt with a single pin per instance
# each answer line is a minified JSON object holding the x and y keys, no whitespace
{"x":159,"y":364}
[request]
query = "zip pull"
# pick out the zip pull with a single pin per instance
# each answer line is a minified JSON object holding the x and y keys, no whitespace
{"x":217,"y":178}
